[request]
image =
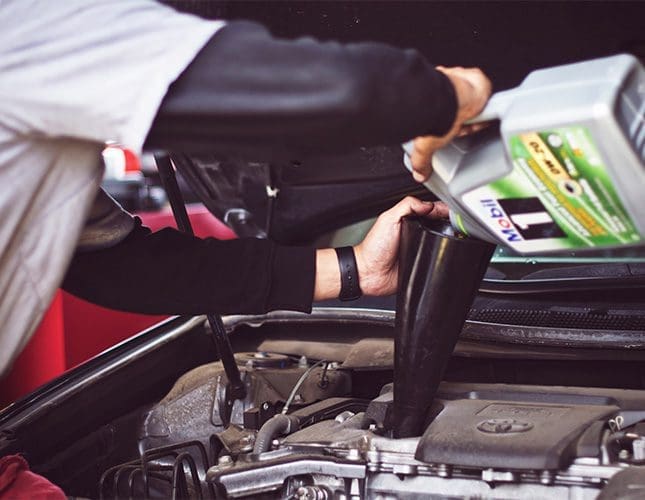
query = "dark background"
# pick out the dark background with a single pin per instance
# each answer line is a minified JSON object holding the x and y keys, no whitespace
{"x":507,"y":39}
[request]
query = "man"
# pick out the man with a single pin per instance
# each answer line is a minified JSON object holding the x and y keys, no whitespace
{"x":75,"y":74}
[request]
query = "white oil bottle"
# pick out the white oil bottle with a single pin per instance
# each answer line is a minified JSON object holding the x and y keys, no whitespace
{"x":563,"y":171}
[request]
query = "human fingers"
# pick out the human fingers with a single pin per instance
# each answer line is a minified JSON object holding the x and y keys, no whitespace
{"x":409,"y":206}
{"x":385,"y":230}
{"x":413,"y":206}
{"x":471,"y":128}
{"x":376,"y":255}
{"x":421,"y":158}
{"x":472,"y":88}
{"x":439,"y":211}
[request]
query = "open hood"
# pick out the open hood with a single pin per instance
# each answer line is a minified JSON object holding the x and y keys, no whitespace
{"x":586,"y":300}
{"x":594,"y":299}
{"x":298,"y":201}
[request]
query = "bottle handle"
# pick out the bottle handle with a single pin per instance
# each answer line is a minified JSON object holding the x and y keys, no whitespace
{"x":494,"y":110}
{"x":437,"y":171}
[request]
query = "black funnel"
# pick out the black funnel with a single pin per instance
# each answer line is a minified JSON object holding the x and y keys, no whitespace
{"x":439,"y":274}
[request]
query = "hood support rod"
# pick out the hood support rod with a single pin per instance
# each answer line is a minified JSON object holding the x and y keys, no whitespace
{"x":235,"y":389}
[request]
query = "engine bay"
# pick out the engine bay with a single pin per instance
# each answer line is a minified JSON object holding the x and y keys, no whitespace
{"x":151,"y":418}
{"x":300,"y":433}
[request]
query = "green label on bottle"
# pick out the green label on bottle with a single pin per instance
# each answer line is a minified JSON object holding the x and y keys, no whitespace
{"x":559,"y":196}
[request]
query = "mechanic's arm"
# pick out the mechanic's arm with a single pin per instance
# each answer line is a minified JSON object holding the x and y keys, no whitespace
{"x":248,"y":90}
{"x":169,"y":272}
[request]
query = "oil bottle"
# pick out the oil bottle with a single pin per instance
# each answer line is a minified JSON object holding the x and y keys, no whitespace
{"x":563,"y":169}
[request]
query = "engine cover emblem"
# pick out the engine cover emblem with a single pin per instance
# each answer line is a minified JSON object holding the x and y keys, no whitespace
{"x":504,"y":426}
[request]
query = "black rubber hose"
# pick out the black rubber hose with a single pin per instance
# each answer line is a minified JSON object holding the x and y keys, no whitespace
{"x":275,"y":426}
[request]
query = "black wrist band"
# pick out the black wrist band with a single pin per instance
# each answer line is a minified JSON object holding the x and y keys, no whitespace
{"x":350,"y":288}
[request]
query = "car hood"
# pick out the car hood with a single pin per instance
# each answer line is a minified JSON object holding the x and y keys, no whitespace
{"x":564,"y":301}
{"x":583,"y":301}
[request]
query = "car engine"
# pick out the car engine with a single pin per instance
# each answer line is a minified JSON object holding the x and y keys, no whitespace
{"x":312,"y":429}
{"x":301,"y":434}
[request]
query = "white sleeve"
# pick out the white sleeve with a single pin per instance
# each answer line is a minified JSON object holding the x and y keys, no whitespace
{"x":95,"y":70}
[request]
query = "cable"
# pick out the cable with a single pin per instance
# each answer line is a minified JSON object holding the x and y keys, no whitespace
{"x":302,"y":378}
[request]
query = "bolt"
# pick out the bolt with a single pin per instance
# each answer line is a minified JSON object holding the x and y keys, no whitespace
{"x":341,"y":417}
{"x":224,"y":462}
{"x":547,"y":477}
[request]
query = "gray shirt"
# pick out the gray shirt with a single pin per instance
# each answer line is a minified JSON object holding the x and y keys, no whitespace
{"x":73,"y":75}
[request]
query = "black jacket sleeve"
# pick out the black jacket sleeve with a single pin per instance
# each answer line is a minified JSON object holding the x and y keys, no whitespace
{"x":247,"y":88}
{"x":168,"y":272}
